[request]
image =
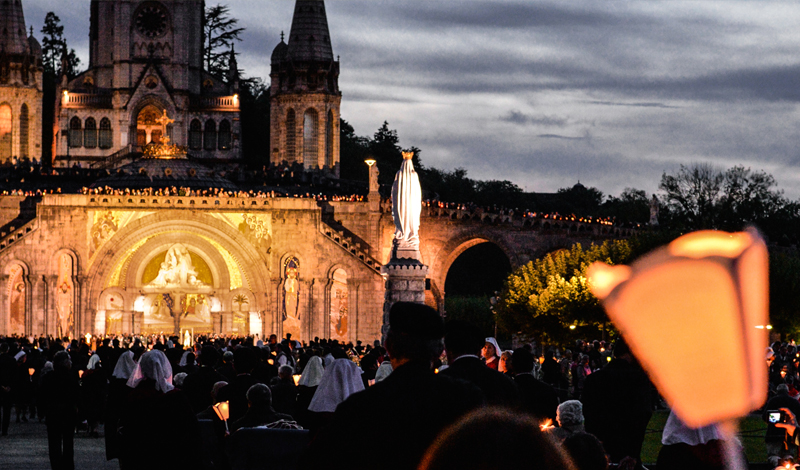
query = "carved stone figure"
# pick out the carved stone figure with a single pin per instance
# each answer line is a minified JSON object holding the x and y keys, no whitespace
{"x":177,"y":270}
{"x":406,"y":210}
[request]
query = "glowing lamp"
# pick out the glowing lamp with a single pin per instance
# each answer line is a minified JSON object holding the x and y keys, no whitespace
{"x":370,"y":161}
{"x":80,"y":374}
{"x":547,"y":425}
{"x":31,"y":371}
{"x":223,"y":411}
{"x":271,"y":361}
{"x":703,"y":288}
{"x":66,"y":96}
{"x":296,"y":379}
{"x":572,"y":327}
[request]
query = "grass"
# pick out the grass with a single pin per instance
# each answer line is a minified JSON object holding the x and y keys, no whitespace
{"x":751,"y":434}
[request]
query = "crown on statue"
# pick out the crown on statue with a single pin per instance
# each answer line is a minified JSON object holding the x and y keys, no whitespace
{"x":408,"y":155}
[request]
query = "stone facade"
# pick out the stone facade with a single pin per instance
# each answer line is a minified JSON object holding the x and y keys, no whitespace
{"x":146,"y":57}
{"x":20,"y":88}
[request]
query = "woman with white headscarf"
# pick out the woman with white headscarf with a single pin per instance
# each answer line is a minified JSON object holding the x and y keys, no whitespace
{"x":118,"y":392}
{"x":157,"y":426}
{"x":94,"y":388}
{"x":306,"y":388}
{"x":491,"y":353}
{"x":685,"y":448}
{"x":340,"y":380}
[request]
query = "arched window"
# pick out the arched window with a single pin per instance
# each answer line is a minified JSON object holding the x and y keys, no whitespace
{"x":224,"y":135}
{"x":90,"y":134}
{"x":5,"y":133}
{"x":210,"y":135}
{"x":195,"y":135}
{"x":291,"y":133}
{"x":310,"y":137}
{"x":75,"y":133}
{"x":329,"y":141}
{"x":24,"y":132}
{"x":106,"y":137}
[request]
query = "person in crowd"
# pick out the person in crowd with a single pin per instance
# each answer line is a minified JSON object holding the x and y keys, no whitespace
{"x":8,"y":368}
{"x":93,"y":394}
{"x":777,"y":442}
{"x":118,"y":391}
{"x":197,"y":385}
{"x":306,"y":388}
{"x":22,"y":389}
{"x":157,"y":424}
{"x":284,"y":392}
{"x":536,"y":397}
{"x":504,"y":366}
{"x":384,"y":371}
{"x":60,"y":395}
{"x":570,"y":420}
{"x":587,"y":451}
{"x":209,"y":412}
{"x":550,"y":370}
{"x":685,"y":448}
{"x":340,"y":380}
{"x":244,"y":360}
{"x":226,"y":369}
{"x":491,"y":353}
{"x":260,"y":411}
{"x":462,"y":343}
{"x":178,"y":380}
{"x":409,"y":407}
{"x":494,"y":438}
{"x":617,"y":407}
{"x":187,"y":363}
{"x":582,"y":370}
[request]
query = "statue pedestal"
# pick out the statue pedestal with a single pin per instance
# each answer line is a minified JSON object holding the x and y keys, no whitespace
{"x":404,"y":282}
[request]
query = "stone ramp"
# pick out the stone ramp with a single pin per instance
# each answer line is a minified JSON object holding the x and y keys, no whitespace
{"x":25,"y":448}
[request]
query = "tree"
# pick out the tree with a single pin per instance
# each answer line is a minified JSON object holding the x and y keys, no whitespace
{"x":631,"y":207}
{"x":692,"y":196}
{"x":219,"y":33}
{"x":784,"y":292}
{"x":53,"y":47}
{"x":353,"y":151}
{"x":579,"y":200}
{"x":548,"y":296}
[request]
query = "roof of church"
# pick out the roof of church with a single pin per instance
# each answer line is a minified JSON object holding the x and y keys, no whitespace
{"x":13,"y":34}
{"x":309,"y":39}
{"x":165,"y":173}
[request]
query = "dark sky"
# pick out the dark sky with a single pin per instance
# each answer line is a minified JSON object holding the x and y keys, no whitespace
{"x":548,"y":93}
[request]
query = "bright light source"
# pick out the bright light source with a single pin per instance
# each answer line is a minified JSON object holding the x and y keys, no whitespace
{"x":370,"y":161}
{"x":572,"y":327}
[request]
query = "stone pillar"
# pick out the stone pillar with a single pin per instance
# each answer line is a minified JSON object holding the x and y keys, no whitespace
{"x":405,"y":282}
{"x":4,"y":300}
{"x":50,"y":314}
{"x":137,"y":318}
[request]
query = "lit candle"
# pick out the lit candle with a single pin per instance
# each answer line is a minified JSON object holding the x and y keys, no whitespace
{"x":547,"y":425}
{"x":296,"y":379}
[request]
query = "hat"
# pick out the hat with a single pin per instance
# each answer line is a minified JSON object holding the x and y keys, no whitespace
{"x":417,"y":320}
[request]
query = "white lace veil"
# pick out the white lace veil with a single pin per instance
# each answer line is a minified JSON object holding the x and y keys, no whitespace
{"x":125,"y":366}
{"x":153,"y":365}
{"x":313,"y":372}
{"x":340,"y":380}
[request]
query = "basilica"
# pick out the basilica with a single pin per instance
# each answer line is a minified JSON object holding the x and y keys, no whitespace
{"x":148,"y":114}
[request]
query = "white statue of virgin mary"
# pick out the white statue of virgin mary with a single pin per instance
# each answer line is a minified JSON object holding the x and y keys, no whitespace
{"x":406,"y":209}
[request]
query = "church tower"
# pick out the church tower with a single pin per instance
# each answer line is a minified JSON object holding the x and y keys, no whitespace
{"x":20,"y":88}
{"x":304,"y":94}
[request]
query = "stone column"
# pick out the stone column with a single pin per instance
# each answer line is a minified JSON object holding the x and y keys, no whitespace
{"x":4,"y":304}
{"x":50,"y":314}
{"x":354,"y":332}
{"x":405,"y":282}
{"x":137,"y":320}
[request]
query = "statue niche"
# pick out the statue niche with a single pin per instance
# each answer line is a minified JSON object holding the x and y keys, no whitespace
{"x":177,"y":270}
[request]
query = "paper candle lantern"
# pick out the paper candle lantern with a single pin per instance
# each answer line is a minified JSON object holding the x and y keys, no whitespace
{"x":223,"y":410}
{"x":704,"y":291}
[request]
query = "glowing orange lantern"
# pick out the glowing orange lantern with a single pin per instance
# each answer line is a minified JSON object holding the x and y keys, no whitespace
{"x":31,"y":371}
{"x":223,"y":411}
{"x":547,"y":425}
{"x":296,"y":379}
{"x":703,"y":288}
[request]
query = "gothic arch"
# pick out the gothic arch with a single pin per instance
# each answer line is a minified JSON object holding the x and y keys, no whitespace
{"x":290,"y":127}
{"x":16,"y":272}
{"x":311,"y":138}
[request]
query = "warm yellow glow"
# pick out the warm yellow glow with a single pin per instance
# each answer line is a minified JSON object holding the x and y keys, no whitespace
{"x":236,"y":100}
{"x":80,"y":374}
{"x":370,"y":162}
{"x":604,"y":278}
{"x":547,"y":425}
{"x":572,"y":327}
{"x":769,"y":327}
{"x":223,"y":411}
{"x":66,"y":96}
{"x":704,"y":287}
{"x":31,"y":371}
{"x":296,"y":379}
{"x":408,"y":155}
{"x":116,"y":276}
{"x":710,"y":243}
{"x":200,"y":266}
{"x":271,"y":362}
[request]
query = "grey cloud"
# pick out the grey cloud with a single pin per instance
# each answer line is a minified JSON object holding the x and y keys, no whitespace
{"x":518,"y":117}
{"x":634,"y":105}
{"x":556,"y":136}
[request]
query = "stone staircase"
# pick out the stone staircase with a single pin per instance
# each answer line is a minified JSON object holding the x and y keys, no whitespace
{"x":14,"y":234}
{"x":345,"y":241}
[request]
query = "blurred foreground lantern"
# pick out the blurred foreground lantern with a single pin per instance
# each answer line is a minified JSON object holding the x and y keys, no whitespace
{"x":31,"y":371}
{"x":296,"y":379}
{"x":223,"y":411}
{"x":547,"y":425}
{"x":705,"y":288}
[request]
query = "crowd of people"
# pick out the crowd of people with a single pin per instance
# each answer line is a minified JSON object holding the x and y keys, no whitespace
{"x":431,"y":392}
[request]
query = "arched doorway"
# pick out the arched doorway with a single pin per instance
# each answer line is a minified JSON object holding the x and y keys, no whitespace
{"x":472,"y":279}
{"x":148,"y":129}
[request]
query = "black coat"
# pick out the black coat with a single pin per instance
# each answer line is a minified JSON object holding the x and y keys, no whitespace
{"x":198,"y":385}
{"x":781,"y":400}
{"x":236,"y":393}
{"x":617,"y":408}
{"x":59,"y":396}
{"x":537,"y":397}
{"x":496,"y":387}
{"x":407,"y":411}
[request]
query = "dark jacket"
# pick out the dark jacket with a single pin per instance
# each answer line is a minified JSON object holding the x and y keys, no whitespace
{"x":617,"y":408}
{"x":496,"y":387}
{"x":198,"y":385}
{"x":59,"y":396}
{"x":409,"y":408}
{"x":537,"y":397}
{"x":781,"y":400}
{"x":236,"y":393}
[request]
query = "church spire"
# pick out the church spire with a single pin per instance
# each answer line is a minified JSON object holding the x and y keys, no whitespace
{"x":309,"y":39}
{"x":13,"y":34}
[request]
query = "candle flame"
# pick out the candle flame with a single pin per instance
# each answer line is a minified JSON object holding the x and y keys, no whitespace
{"x":547,"y":425}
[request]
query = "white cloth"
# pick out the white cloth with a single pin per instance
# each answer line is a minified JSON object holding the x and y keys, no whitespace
{"x":183,"y":362}
{"x":497,"y":350}
{"x":406,"y":206}
{"x":313,"y":372}
{"x":675,"y":432}
{"x":383,"y":371}
{"x":93,"y":361}
{"x":19,"y":355}
{"x":339,"y":381}
{"x":153,"y":365}
{"x":328,"y":359}
{"x":125,"y":366}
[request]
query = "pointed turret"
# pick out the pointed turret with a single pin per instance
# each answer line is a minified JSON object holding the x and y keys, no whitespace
{"x":233,"y":70}
{"x":309,"y":39}
{"x":13,"y":34}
